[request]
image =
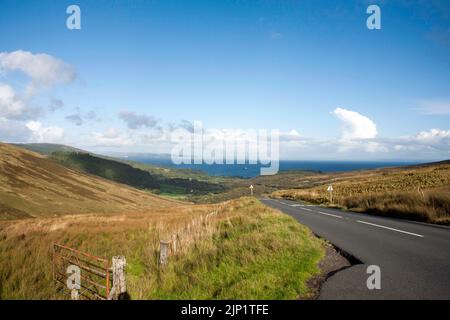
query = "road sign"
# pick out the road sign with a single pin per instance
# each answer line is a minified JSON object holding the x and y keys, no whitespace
{"x":330,"y":190}
{"x":251,"y":189}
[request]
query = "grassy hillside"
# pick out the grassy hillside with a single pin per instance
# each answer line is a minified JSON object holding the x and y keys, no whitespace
{"x":46,"y":148}
{"x":33,"y":186}
{"x":245,"y":250}
{"x":416,"y":192}
{"x":134,"y":176}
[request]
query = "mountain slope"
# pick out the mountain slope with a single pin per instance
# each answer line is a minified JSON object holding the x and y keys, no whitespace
{"x":175,"y":183}
{"x":130,"y":175}
{"x":32,"y":185}
{"x":46,"y":148}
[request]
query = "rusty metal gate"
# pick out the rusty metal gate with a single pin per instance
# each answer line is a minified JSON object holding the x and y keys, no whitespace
{"x":95,"y":275}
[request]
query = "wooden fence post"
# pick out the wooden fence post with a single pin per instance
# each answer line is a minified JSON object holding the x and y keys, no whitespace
{"x":174,"y":243}
{"x":163,"y":252}
{"x":119,"y":287}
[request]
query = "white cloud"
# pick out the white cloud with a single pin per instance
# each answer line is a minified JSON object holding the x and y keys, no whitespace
{"x":355,"y":125}
{"x":113,"y":138}
{"x":10,"y":104}
{"x":43,"y":69}
{"x":44,"y":134}
{"x":14,"y":131}
{"x":433,"y":135}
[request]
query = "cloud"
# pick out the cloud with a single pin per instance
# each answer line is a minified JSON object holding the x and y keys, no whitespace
{"x":434,"y":107}
{"x":434,"y":138}
{"x":39,"y":133}
{"x":113,"y":138}
{"x":78,"y":118}
{"x":91,"y":115}
{"x":10,"y":104}
{"x":14,"y":131}
{"x":75,"y":119}
{"x":43,"y":69}
{"x":55,"y":104}
{"x":355,"y":125}
{"x":137,"y":121}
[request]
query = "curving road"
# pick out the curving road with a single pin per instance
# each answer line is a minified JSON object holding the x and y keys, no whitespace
{"x":414,"y":258}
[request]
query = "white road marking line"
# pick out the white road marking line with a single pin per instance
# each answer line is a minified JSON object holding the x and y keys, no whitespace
{"x":296,"y":205}
{"x":329,"y":214}
{"x":380,"y":226}
{"x":306,"y":209}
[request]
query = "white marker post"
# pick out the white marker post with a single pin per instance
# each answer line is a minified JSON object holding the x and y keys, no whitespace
{"x":251,"y":189}
{"x":330,"y":190}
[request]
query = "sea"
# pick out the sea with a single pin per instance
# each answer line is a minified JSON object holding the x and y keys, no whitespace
{"x":253,"y":170}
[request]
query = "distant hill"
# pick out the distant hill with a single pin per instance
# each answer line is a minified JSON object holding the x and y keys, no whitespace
{"x":31,"y":185}
{"x":133,"y":176}
{"x":174,"y":183}
{"x":47,"y":148}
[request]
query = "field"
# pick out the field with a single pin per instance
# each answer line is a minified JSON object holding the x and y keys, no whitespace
{"x":243,"y":251}
{"x":419,"y":193}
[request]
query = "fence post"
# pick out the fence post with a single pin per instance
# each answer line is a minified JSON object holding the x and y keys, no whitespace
{"x":119,"y":287}
{"x":174,"y":243}
{"x":163,"y":252}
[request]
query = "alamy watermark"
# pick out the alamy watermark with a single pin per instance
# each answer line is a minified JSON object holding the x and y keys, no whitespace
{"x":249,"y":146}
{"x":73,"y":22}
{"x":374,"y":280}
{"x":373,"y":22}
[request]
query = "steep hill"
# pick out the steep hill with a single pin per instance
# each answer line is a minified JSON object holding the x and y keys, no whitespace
{"x":31,"y":185}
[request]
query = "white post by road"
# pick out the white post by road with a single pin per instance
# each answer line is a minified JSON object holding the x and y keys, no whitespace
{"x":251,"y":189}
{"x":330,"y":190}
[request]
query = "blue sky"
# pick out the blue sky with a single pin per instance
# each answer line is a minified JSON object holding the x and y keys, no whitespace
{"x":284,"y":65}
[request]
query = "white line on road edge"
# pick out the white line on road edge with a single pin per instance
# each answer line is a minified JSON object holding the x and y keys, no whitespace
{"x":377,"y":225}
{"x":297,"y":205}
{"x":306,"y":209}
{"x":329,"y":214}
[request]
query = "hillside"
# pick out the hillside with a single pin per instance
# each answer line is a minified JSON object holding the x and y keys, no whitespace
{"x":420,"y":192}
{"x":137,"y":177}
{"x":175,"y":183}
{"x":32,"y":185}
{"x":47,"y":148}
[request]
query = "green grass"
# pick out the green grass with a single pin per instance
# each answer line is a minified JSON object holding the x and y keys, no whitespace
{"x":135,"y":176}
{"x":254,"y":252}
{"x":260,"y":255}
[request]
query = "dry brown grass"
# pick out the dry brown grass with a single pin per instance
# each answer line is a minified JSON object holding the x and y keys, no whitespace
{"x":33,"y":186}
{"x":419,"y":193}
{"x":242,"y":250}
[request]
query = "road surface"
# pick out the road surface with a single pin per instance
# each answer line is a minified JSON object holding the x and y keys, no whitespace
{"x":414,"y":258}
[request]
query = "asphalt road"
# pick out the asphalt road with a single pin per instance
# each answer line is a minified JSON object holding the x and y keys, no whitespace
{"x":414,"y":258}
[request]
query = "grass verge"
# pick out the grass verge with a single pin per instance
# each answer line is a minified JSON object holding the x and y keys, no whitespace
{"x":419,"y":193}
{"x":248,"y":251}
